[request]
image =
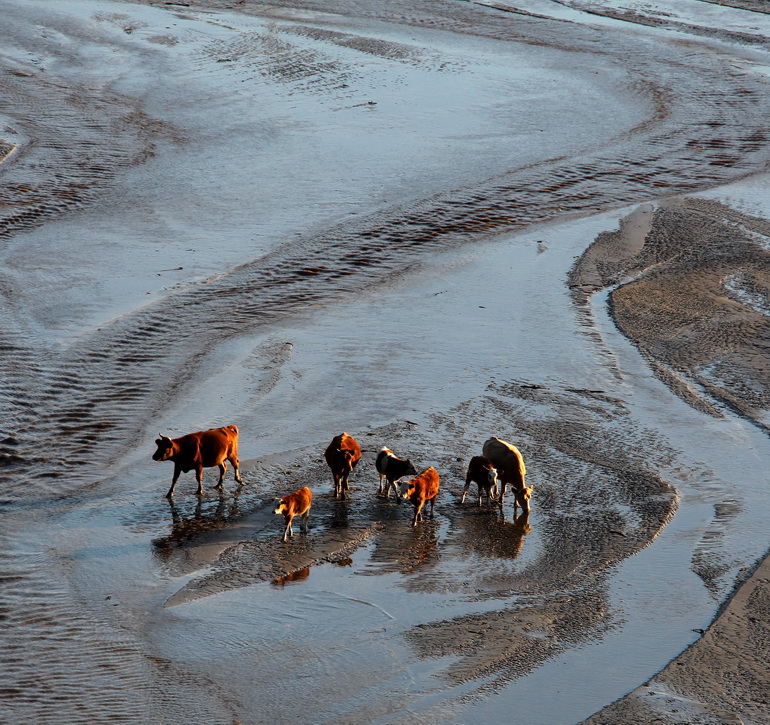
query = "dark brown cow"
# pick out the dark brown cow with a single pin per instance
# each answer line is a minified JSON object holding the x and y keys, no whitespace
{"x":482,"y":472}
{"x":421,"y":489}
{"x":295,"y":504}
{"x":509,"y":463}
{"x":391,"y":468}
{"x":200,"y":450}
{"x":342,"y":455}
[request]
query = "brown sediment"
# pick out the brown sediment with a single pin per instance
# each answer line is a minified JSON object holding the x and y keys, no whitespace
{"x":694,"y":299}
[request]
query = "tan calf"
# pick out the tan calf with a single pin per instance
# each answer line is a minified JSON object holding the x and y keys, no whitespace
{"x":421,"y":489}
{"x":295,"y":504}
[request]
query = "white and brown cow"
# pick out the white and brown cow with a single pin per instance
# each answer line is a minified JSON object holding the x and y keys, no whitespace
{"x":196,"y":451}
{"x":295,"y":504}
{"x":391,"y":468}
{"x":483,"y":473}
{"x":508,"y":461}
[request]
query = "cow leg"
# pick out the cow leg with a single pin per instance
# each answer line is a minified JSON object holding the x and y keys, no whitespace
{"x":382,"y":490}
{"x":503,"y":486}
{"x":236,"y":468}
{"x":287,"y":531}
{"x":344,"y":485}
{"x":304,"y":520}
{"x":432,"y":504}
{"x":199,"y":478}
{"x":417,"y":514}
{"x":222,"y":471}
{"x":396,"y":491}
{"x":465,"y":490}
{"x":177,"y":471}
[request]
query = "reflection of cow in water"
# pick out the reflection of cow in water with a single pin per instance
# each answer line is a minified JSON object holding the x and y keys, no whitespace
{"x":509,"y":463}
{"x":342,"y":455}
{"x":291,"y":577}
{"x":493,"y":536}
{"x":196,"y":451}
{"x":186,"y":529}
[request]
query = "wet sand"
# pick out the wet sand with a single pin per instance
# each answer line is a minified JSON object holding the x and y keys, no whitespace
{"x":423,"y":226}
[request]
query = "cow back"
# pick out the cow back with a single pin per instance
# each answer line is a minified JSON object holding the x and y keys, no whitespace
{"x":506,"y":458}
{"x":299,"y":501}
{"x":424,"y":486}
{"x":216,"y":445}
{"x":343,"y":450}
{"x":390,"y":465}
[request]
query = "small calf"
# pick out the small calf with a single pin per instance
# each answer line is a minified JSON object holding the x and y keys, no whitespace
{"x":391,"y":468}
{"x":342,"y":455}
{"x":420,"y":489}
{"x":295,"y":504}
{"x":482,"y":472}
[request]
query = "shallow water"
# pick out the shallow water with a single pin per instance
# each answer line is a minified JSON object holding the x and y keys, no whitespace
{"x":293,"y":221}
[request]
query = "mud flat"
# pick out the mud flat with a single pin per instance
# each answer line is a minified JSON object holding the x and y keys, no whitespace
{"x":281,"y":216}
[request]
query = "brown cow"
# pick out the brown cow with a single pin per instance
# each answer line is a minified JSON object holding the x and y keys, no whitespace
{"x":391,"y":468}
{"x":342,"y":455}
{"x":482,"y":472}
{"x":295,"y":504}
{"x":200,"y":450}
{"x":509,"y":463}
{"x":420,"y":489}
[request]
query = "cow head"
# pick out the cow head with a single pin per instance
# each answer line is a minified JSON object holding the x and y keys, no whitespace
{"x":407,"y":488}
{"x":346,"y":460}
{"x":165,"y":448}
{"x":523,"y":495}
{"x":492,"y":477}
{"x":410,"y":469}
{"x":281,"y":508}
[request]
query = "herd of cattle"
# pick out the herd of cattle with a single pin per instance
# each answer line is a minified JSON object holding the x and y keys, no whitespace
{"x":500,"y":465}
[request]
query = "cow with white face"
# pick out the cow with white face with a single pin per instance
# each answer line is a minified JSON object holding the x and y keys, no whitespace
{"x":482,"y":472}
{"x":391,"y":469}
